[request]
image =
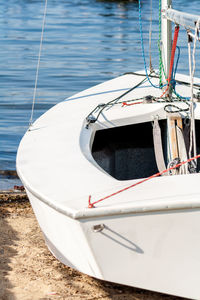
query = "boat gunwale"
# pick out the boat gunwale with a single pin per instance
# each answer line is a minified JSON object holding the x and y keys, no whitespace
{"x":130,"y":208}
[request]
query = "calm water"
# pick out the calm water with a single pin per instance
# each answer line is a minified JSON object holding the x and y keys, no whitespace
{"x":85,"y":42}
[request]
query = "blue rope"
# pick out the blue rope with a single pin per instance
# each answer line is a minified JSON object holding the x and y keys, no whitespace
{"x":174,"y":74}
{"x":179,"y":96}
{"x":142,"y":44}
{"x":177,"y":61}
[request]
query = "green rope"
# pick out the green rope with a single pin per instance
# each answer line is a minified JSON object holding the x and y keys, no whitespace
{"x":161,"y":65}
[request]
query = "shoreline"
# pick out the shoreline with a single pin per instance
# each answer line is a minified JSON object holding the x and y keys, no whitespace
{"x":9,"y":179}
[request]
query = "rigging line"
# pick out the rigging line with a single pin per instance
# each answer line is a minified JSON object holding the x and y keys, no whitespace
{"x":177,"y":60}
{"x":159,"y":47}
{"x":197,"y":86}
{"x":175,"y":81}
{"x":169,"y":86}
{"x":142,"y":45}
{"x":192,"y":72}
{"x":38,"y":63}
{"x":112,"y":102}
{"x":150,"y":39}
{"x":91,"y":204}
{"x":176,"y":32}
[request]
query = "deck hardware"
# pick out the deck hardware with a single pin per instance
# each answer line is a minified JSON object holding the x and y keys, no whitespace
{"x":197,"y":95}
{"x":90,"y":119}
{"x":98,"y":228}
{"x":149,"y":99}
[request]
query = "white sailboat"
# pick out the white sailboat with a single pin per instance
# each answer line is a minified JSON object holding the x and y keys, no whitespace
{"x":115,"y":197}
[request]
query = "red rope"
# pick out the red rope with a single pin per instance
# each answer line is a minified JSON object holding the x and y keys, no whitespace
{"x":129,"y":104}
{"x":165,"y":91}
{"x":176,"y":32}
{"x":91,"y":204}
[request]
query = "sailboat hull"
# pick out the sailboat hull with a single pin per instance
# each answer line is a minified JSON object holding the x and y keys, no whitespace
{"x":147,"y":237}
{"x":158,"y":251}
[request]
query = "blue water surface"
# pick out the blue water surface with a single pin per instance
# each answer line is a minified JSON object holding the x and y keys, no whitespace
{"x":85,"y":43}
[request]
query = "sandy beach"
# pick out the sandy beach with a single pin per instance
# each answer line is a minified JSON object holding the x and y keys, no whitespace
{"x":28,"y":271}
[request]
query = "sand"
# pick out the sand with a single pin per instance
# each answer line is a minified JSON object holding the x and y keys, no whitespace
{"x":28,"y":271}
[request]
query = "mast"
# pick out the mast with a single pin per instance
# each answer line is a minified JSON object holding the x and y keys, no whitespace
{"x":188,"y":21}
{"x":166,"y":43}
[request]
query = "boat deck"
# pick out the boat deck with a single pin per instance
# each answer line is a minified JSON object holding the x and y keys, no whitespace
{"x":55,"y":165}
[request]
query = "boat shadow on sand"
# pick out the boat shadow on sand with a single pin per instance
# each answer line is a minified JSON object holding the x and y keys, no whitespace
{"x":8,"y":238}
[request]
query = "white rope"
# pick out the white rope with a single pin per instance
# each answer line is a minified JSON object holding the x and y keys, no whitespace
{"x":192,"y":72}
{"x":38,"y":64}
{"x":189,"y":56}
{"x":193,"y":35}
